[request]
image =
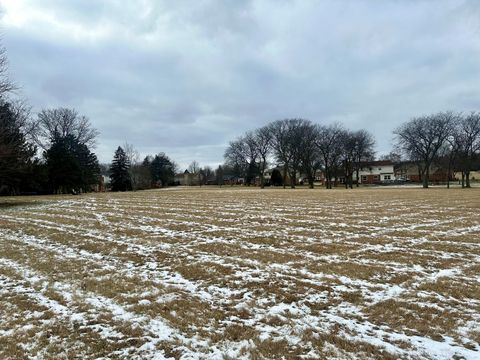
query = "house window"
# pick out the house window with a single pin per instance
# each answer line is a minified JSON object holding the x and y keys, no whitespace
{"x":376,"y":177}
{"x":364,"y":178}
{"x":387,"y":177}
{"x":379,"y":168}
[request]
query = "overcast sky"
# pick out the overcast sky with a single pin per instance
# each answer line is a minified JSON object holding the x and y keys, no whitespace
{"x":185,"y":77}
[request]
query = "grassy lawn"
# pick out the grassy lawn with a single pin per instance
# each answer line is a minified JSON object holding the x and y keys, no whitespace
{"x":242,"y":273}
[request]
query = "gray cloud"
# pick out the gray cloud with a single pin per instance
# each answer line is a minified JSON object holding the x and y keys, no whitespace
{"x":186,"y":77}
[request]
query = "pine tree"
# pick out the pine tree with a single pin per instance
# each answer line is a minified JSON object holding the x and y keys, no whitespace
{"x":119,"y":175}
{"x":72,"y":167}
{"x":15,"y":152}
{"x":162,"y":170}
{"x":89,"y":167}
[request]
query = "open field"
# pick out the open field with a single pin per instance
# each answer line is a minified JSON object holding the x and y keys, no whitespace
{"x":242,"y":273}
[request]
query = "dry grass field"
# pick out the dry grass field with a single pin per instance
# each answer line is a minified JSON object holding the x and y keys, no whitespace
{"x":242,"y":273}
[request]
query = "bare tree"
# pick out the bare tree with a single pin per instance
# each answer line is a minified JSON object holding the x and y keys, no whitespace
{"x":134,"y":170}
{"x":281,"y":145}
{"x":6,"y":84}
{"x":329,"y":145}
{"x":363,"y":150}
{"x":451,"y":151}
{"x":309,"y":154}
{"x":469,"y":144}
{"x":392,"y":156}
{"x":243,"y":154}
{"x":234,"y":157}
{"x":422,"y":137}
{"x":348,"y":156}
{"x":286,"y":135}
{"x":297,"y":133}
{"x":65,"y":122}
{"x":194,"y":167}
{"x":263,"y":142}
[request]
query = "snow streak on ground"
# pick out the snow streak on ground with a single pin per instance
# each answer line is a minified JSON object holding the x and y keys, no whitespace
{"x":242,"y":273}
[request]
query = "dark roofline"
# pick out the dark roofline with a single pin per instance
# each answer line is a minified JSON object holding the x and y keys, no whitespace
{"x":377,"y":163}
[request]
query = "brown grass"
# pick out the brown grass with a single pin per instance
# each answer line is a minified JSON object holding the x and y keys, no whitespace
{"x":212,"y":263}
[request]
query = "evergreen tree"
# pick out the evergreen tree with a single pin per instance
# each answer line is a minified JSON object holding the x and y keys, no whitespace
{"x":219,"y":174}
{"x":89,"y":166}
{"x":15,"y":152}
{"x":72,"y":167}
{"x":162,"y":170}
{"x":119,"y":175}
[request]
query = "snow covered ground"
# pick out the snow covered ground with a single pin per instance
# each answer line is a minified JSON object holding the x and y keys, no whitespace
{"x":242,"y":273}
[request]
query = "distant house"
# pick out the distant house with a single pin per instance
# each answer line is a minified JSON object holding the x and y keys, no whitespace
{"x":103,"y":181}
{"x":409,"y":171}
{"x":102,"y":184}
{"x":186,"y":179}
{"x":375,"y":172}
{"x":192,"y":179}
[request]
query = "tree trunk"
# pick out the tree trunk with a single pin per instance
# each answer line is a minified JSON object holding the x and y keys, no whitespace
{"x":358,"y":174}
{"x":327,"y":177}
{"x":467,"y":178}
{"x":448,"y":173}
{"x":463,"y":179}
{"x":426,"y":176}
{"x":285,"y":177}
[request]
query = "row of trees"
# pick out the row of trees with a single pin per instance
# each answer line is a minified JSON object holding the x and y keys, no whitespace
{"x":451,"y":137}
{"x":65,"y":162}
{"x":128,"y":173}
{"x":449,"y":140}
{"x":300,"y":146}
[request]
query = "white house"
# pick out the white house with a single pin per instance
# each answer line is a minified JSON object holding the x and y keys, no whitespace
{"x":376,"y":172}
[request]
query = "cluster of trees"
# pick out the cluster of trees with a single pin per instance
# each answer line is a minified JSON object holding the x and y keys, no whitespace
{"x":47,"y":154}
{"x":300,"y":146}
{"x":52,"y":151}
{"x":40,"y":156}
{"x":447,"y":138}
{"x":128,"y":173}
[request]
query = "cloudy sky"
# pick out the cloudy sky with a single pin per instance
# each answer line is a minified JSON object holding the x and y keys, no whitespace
{"x":185,"y":77}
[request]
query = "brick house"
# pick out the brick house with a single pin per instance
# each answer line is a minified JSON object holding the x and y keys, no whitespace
{"x":409,"y":171}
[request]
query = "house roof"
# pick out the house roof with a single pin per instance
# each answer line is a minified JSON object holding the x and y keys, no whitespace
{"x":377,"y":163}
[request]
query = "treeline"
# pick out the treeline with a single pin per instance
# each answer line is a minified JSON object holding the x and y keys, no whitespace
{"x":300,"y":146}
{"x":127,"y":172}
{"x":63,"y":139}
{"x":449,"y":139}
{"x":51,"y":152}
